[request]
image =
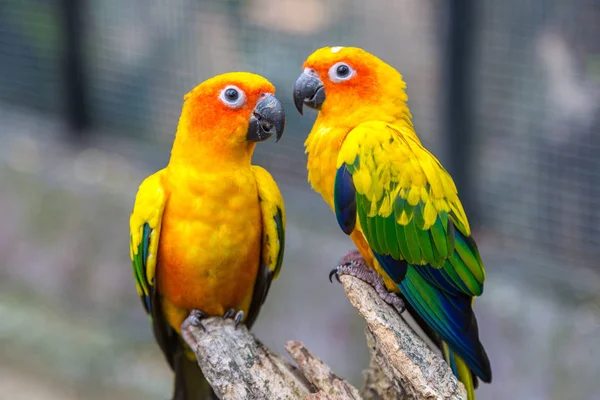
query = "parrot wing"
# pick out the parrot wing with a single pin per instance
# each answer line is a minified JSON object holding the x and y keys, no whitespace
{"x":407,"y":206}
{"x":273,"y":238}
{"x":144,"y":228}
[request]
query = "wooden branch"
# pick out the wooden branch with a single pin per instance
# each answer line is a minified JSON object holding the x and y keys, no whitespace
{"x":415,"y":370}
{"x":320,"y":375}
{"x":377,"y":386}
{"x":238,"y":366}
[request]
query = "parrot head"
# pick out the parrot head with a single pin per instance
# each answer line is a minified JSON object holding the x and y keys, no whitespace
{"x":350,"y":84}
{"x":228,"y":114}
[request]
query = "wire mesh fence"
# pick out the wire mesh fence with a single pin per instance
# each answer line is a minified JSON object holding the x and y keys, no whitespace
{"x":534,"y":171}
{"x":538,"y":93}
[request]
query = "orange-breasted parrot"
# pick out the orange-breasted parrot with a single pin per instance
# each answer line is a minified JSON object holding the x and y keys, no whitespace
{"x":207,"y":232}
{"x":395,"y":200}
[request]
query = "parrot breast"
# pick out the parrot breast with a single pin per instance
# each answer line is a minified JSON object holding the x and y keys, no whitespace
{"x":323,"y":145}
{"x":209,"y":249}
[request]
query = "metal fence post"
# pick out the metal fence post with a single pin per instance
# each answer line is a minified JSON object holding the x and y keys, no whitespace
{"x":76,"y":110}
{"x":459,"y":112}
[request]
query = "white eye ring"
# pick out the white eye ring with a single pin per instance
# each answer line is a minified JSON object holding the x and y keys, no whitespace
{"x":233,"y":96}
{"x":340,"y":72}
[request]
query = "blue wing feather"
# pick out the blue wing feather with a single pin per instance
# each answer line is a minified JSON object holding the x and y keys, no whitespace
{"x":447,"y":311}
{"x":451,"y":316}
{"x":344,"y":199}
{"x":396,"y":269}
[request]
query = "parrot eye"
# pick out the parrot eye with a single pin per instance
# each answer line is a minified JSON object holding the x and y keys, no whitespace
{"x":341,"y":72}
{"x":233,"y":96}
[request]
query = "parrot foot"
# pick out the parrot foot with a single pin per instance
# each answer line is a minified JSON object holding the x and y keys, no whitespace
{"x":193,"y":320}
{"x":237,"y":316}
{"x":353,"y":264}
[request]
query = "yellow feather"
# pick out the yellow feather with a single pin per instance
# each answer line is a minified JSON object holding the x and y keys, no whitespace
{"x":348,"y":156}
{"x":373,"y":210}
{"x":148,"y":208}
{"x":376,"y":189}
{"x":362,"y":181}
{"x":405,"y":178}
{"x":414,"y":197}
{"x":424,"y":195}
{"x":404,"y":219}
{"x":441,"y":204}
{"x":458,"y":210}
{"x":386,"y":206}
{"x":429,"y":215}
{"x":271,"y":202}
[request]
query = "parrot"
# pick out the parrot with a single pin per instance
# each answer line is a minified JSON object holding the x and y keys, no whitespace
{"x":207,"y":232}
{"x":395,"y":200}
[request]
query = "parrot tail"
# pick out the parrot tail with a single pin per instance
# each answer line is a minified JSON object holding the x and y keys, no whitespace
{"x":189,"y":383}
{"x":460,"y":370}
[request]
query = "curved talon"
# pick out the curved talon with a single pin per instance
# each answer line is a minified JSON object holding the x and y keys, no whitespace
{"x":353,"y":264}
{"x":239,"y":316}
{"x":334,"y":272}
{"x":195,"y":319}
{"x":229,"y":313}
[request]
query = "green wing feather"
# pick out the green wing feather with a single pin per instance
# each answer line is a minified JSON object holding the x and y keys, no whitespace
{"x":139,"y":268}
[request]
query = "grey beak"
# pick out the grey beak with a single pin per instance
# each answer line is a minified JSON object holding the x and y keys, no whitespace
{"x":308,"y":90}
{"x":268,"y":118}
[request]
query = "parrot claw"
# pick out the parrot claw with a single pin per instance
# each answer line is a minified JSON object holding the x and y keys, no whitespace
{"x":239,"y":316}
{"x":334,"y":272}
{"x":193,"y":320}
{"x":354,"y":265}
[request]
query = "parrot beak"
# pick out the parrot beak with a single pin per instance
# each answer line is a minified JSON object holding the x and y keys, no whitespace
{"x":308,"y":90}
{"x":268,"y":118}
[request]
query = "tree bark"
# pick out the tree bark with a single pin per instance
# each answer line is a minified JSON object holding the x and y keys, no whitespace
{"x":238,"y":366}
{"x":415,"y":370}
{"x":320,"y":375}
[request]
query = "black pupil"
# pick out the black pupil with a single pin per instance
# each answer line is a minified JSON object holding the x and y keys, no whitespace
{"x":343,"y":70}
{"x":231,"y":94}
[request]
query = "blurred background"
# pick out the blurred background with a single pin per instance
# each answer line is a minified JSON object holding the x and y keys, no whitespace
{"x":506,"y":94}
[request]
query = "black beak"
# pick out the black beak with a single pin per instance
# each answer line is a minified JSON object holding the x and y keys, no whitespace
{"x":308,"y":90}
{"x":268,"y":118}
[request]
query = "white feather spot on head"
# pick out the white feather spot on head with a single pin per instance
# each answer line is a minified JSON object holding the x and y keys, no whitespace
{"x":336,"y":49}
